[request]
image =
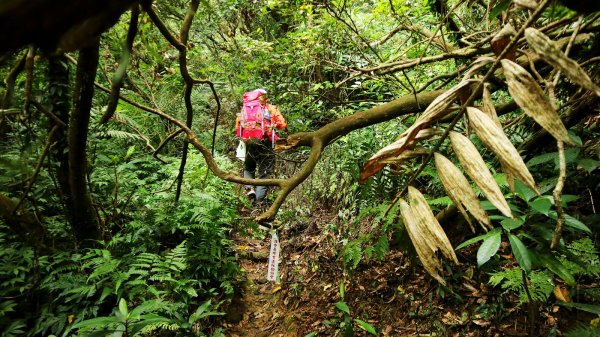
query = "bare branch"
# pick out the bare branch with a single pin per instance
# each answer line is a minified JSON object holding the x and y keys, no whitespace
{"x":117,"y":81}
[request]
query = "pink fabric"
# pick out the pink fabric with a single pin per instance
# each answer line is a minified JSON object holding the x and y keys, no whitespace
{"x":253,"y":95}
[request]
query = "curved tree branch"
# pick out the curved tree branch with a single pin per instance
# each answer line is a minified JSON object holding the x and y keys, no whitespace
{"x":120,"y":74}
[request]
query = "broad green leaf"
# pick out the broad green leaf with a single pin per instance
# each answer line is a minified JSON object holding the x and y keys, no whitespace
{"x":97,"y":322}
{"x":510,"y":224}
{"x":366,"y":326}
{"x":588,"y":164}
{"x":312,"y":334}
{"x":542,"y":204}
{"x":488,"y":248}
{"x":555,"y":266}
{"x":478,"y":238}
{"x":523,"y":191}
{"x":499,"y":8}
{"x":572,"y":222}
{"x":123,"y":308}
{"x":520,"y":252}
{"x":594,"y":309}
{"x":343,"y":307}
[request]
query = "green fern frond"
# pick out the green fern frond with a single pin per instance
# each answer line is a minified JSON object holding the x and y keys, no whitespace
{"x":117,"y":134}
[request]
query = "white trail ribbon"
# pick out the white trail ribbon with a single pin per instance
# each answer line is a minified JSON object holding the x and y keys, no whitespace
{"x":273,"y":257}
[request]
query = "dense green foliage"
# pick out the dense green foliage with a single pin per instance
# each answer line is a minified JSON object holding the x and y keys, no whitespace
{"x":166,"y":266}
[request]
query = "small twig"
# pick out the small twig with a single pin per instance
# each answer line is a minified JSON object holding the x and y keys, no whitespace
{"x":557,"y":194}
{"x":120,"y":73}
{"x":592,"y":200}
{"x":29,"y":63}
{"x":164,"y":142}
{"x":530,"y":305}
{"x":38,"y":167}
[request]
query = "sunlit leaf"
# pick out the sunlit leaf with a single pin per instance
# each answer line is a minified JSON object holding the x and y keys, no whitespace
{"x":488,"y":248}
{"x":343,"y":307}
{"x":366,"y":326}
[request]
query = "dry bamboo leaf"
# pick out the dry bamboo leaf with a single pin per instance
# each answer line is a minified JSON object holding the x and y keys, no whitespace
{"x":561,"y":293}
{"x":502,"y":39}
{"x":489,"y":108}
{"x":439,"y":108}
{"x":488,"y":105}
{"x":495,"y":139}
{"x":475,"y":166}
{"x":427,"y":256}
{"x":379,"y":159}
{"x":529,"y":4}
{"x":459,"y":190}
{"x":528,"y":94}
{"x":479,"y":63}
{"x":554,"y":56}
{"x":428,"y":224}
{"x":406,"y":154}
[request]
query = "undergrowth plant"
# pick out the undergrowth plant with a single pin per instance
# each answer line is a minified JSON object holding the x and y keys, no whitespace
{"x":164,"y":265}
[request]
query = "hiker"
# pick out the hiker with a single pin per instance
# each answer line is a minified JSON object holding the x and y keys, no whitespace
{"x":256,"y":125}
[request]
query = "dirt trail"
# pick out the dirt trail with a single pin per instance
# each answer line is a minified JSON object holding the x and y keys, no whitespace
{"x":262,"y":311}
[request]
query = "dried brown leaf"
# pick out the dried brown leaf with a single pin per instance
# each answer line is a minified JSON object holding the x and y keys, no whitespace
{"x":489,"y":108}
{"x":428,"y":224}
{"x":488,"y":105}
{"x":529,"y":4}
{"x":528,"y":94}
{"x":475,"y":166}
{"x":427,"y":256}
{"x":407,"y":154}
{"x":561,"y":293}
{"x":548,"y":50}
{"x":395,"y":149}
{"x":439,"y":108}
{"x":495,"y":139}
{"x":459,"y":190}
{"x":502,"y":39}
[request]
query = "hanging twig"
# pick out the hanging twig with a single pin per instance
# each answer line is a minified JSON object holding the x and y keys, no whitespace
{"x":38,"y":167}
{"x":557,"y":194}
{"x":120,"y":73}
{"x":29,"y":60}
{"x":10,"y":81}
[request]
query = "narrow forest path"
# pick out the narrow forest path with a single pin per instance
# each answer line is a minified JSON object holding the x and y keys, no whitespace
{"x":260,"y":310}
{"x":393,"y":294}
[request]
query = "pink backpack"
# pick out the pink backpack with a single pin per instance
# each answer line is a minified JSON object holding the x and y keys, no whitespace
{"x":254,"y":118}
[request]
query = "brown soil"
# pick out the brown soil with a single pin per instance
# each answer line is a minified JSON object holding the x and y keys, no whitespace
{"x":393,"y":295}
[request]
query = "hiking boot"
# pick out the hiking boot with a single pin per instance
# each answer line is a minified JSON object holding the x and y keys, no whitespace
{"x":251,"y":194}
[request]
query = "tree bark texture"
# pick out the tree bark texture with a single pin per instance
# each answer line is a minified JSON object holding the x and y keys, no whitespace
{"x":59,"y":103}
{"x":83,"y":218}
